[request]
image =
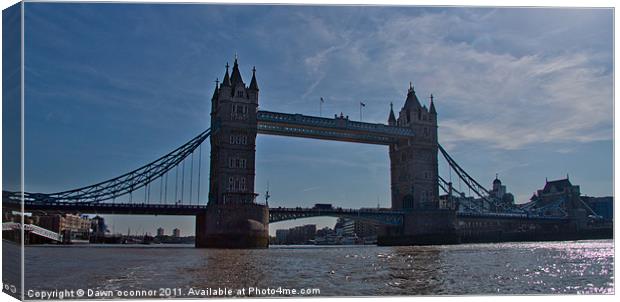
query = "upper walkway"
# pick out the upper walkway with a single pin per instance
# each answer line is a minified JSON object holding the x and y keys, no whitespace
{"x":337,"y":128}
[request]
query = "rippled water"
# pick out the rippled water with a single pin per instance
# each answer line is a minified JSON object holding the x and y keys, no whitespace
{"x":504,"y":268}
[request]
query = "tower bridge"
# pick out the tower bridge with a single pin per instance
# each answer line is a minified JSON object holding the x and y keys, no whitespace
{"x":231,"y":216}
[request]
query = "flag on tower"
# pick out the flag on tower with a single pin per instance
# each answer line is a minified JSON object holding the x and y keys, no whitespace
{"x":322,"y":100}
{"x":362,"y":104}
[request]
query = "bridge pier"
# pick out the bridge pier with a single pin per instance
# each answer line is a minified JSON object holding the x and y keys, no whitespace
{"x":422,"y":227}
{"x":241,"y":226}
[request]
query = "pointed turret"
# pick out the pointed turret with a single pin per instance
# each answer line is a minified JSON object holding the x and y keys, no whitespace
{"x":216,"y":90}
{"x":253,"y":83}
{"x":215,"y":97}
{"x":235,"y":77}
{"x":412,"y":100}
{"x":391,"y":118}
{"x":432,"y":110}
{"x":226,"y":81}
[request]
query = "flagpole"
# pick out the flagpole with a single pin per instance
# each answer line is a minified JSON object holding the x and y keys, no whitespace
{"x":361,"y":105}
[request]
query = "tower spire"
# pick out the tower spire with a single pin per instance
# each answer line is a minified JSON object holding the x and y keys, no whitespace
{"x":235,"y":76}
{"x":215,"y":91}
{"x":253,"y":83}
{"x":226,"y":81}
{"x":412,"y":101}
{"x":432,"y":106}
{"x":391,"y":118}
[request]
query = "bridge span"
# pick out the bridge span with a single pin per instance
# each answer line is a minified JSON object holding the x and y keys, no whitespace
{"x":230,"y":217}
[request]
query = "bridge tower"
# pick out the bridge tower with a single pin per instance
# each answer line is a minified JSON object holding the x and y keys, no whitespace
{"x":413,"y":161}
{"x":414,"y":179}
{"x":233,"y":218}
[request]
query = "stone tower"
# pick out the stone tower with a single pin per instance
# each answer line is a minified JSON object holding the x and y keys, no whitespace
{"x":233,"y":218}
{"x":233,"y":143}
{"x":413,"y":162}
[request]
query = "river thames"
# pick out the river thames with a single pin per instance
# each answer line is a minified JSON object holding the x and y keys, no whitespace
{"x":502,"y":268}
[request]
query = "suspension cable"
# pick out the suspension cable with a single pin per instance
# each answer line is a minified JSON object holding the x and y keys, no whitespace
{"x":130,"y":181}
{"x":166,"y":187}
{"x":199,"y":168}
{"x":176,"y":184}
{"x":161,"y":189}
{"x":191,"y":178}
{"x":182,"y":182}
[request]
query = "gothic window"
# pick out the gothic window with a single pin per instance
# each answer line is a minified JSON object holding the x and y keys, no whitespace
{"x":239,"y":112}
{"x":408,"y":201}
{"x":240,"y":93}
{"x":231,"y":184}
{"x":238,"y":140}
{"x":242,"y":184}
{"x":236,"y":162}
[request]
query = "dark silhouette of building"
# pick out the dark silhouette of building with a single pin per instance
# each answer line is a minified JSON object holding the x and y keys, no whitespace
{"x":233,"y":218}
{"x":358,"y":228}
{"x":603,"y":206}
{"x":296,"y":235}
{"x":98,"y":226}
{"x":233,"y":112}
{"x":413,"y":163}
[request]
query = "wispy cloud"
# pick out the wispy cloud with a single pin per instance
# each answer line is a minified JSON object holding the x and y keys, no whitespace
{"x":311,"y":189}
{"x":502,"y":97}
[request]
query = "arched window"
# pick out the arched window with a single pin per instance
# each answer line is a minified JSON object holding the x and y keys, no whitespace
{"x":242,"y":184}
{"x":231,"y":184}
{"x":408,"y":201}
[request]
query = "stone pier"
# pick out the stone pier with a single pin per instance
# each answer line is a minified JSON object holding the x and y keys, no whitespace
{"x":233,"y":226}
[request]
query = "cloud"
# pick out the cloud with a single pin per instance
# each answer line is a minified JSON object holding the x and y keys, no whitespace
{"x":311,"y":189}
{"x":495,"y":85}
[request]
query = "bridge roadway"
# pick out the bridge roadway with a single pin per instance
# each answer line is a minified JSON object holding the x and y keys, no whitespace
{"x":374,"y":216}
{"x":381,"y":216}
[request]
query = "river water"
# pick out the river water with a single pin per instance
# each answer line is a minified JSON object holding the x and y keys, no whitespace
{"x":503,"y":268}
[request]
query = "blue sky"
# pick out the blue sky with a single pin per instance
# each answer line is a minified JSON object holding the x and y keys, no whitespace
{"x":526,"y":93}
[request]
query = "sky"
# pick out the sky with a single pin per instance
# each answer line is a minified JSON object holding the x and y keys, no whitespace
{"x":522,"y":92}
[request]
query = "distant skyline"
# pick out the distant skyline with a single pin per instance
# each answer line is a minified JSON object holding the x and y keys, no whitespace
{"x":522,"y":92}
